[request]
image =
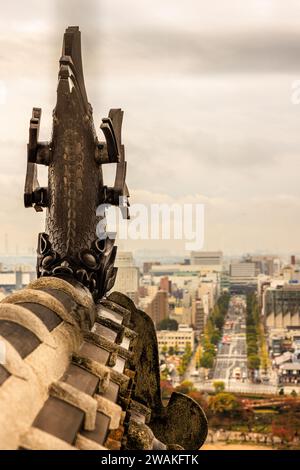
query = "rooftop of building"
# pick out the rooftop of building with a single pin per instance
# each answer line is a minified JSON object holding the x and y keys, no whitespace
{"x":290,"y":366}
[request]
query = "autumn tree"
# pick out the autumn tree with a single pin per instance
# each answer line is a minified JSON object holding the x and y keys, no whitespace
{"x":185,"y":387}
{"x":223,"y":403}
{"x":166,"y":389}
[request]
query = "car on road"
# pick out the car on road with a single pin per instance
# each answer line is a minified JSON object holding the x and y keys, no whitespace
{"x":265,"y":379}
{"x":195,"y":373}
{"x":237,"y":373}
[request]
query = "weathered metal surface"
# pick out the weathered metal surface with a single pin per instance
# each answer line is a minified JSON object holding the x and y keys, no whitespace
{"x":75,"y":183}
{"x":82,"y":370}
{"x":182,"y":422}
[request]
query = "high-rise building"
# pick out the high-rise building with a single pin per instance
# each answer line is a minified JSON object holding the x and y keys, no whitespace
{"x":147,"y":265}
{"x":127,"y":280}
{"x":264,"y":264}
{"x":124,"y":259}
{"x":187,"y":307}
{"x":207,"y":258}
{"x":243,"y":269}
{"x":224,"y":281}
{"x":19,"y":280}
{"x":210,"y":289}
{"x":243,"y":276}
{"x":281,"y":306}
{"x":165,"y":284}
{"x":157,"y":309}
{"x":198,"y":316}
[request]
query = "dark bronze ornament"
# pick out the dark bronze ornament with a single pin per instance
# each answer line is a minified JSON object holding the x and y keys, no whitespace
{"x":74,"y":157}
{"x":112,"y":331}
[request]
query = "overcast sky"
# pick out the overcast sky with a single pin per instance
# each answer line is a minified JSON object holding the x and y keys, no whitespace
{"x":206,"y":90}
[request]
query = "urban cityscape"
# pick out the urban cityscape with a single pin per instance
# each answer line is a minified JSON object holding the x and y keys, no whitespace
{"x":228,"y":333}
{"x":149,"y":246}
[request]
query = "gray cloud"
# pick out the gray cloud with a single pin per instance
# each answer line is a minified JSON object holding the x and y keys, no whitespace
{"x":200,"y":52}
{"x":206,"y":92}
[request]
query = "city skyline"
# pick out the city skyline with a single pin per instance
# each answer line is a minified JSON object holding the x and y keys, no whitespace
{"x":169,"y":321}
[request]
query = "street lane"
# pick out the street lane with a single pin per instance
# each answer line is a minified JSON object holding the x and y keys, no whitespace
{"x":232,"y":350}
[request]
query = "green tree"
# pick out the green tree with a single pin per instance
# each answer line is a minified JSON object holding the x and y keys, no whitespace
{"x":219,"y":321}
{"x":167,"y":324}
{"x":253,"y":362}
{"x":251,"y":336}
{"x":164,"y":349}
{"x":188,"y":349}
{"x":219,"y":386}
{"x":171,"y":351}
{"x":215,"y":337}
{"x":164,"y":374}
{"x":209,"y":328}
{"x":216,"y":312}
{"x":223,"y":403}
{"x":210,"y":348}
{"x":185,"y":387}
{"x":181,"y":369}
{"x":207,"y":360}
{"x":252,"y":350}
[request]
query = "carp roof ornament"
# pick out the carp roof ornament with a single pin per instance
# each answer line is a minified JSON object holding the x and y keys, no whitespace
{"x":82,"y":368}
{"x":74,"y":157}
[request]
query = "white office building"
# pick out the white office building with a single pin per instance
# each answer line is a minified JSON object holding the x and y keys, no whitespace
{"x":243,"y":274}
{"x":176,"y":339}
{"x":127,"y":280}
{"x":207,"y":258}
